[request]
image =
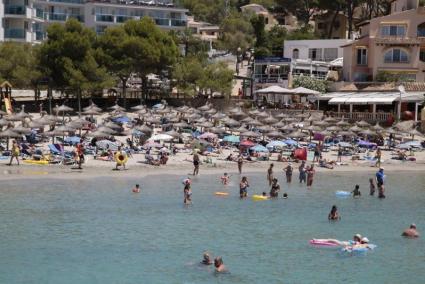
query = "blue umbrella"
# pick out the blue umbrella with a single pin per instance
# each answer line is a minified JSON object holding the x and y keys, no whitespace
{"x":231,"y":139}
{"x":73,"y":140}
{"x":290,"y":142}
{"x":276,"y":143}
{"x":259,"y":148}
{"x":123,"y":119}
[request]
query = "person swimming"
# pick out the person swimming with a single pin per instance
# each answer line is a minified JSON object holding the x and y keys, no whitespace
{"x":334,"y":215}
{"x":285,"y":195}
{"x":225,"y":179}
{"x":219,"y":265}
{"x":356,"y":241}
{"x":356,"y":192}
{"x":206,"y":259}
{"x":411,"y":232}
{"x":136,"y":189}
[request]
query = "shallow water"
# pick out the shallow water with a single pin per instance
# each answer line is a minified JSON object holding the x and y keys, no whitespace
{"x":97,"y":231}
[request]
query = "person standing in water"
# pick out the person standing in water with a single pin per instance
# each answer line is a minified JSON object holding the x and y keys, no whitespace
{"x":196,"y":162}
{"x":240,"y":163}
{"x":219,"y":265}
{"x":243,"y":187}
{"x":380,"y":180}
{"x":334,"y":215}
{"x":371,"y":187}
{"x":411,"y":232}
{"x":275,"y":189}
{"x":310,"y":175}
{"x":187,"y":193}
{"x":270,"y":174}
{"x":303,"y":172}
{"x":15,"y":152}
{"x":136,"y":189}
{"x":288,"y":171}
{"x":225,"y":179}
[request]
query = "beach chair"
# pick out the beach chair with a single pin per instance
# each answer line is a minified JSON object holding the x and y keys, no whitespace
{"x":67,"y":158}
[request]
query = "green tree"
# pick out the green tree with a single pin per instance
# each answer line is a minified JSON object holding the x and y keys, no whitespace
{"x":67,"y":58}
{"x":259,"y":25}
{"x":18,"y":64}
{"x":187,"y":72}
{"x":311,"y":83}
{"x":275,"y":38}
{"x":302,"y":9}
{"x":217,"y":77}
{"x":236,"y":31}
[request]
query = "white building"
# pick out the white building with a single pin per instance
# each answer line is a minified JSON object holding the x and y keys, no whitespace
{"x":27,"y":20}
{"x":314,"y":57}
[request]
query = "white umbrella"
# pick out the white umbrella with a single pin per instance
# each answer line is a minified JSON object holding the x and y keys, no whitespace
{"x":161,"y":137}
{"x":305,"y":91}
{"x":274,"y":90}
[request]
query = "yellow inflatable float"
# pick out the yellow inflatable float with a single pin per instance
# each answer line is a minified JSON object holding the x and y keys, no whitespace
{"x":36,"y":162}
{"x":121,"y":158}
{"x":256,"y":197}
{"x":221,"y":193}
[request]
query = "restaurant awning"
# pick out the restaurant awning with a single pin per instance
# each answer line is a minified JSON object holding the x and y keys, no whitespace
{"x":365,"y":98}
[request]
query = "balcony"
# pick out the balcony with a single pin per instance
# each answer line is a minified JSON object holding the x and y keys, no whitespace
{"x":105,"y":18}
{"x":15,"y":9}
{"x":39,"y":13}
{"x":162,"y":22}
{"x":178,"y":23}
{"x":80,"y":18}
{"x":69,"y":1}
{"x":14,"y":33}
{"x":122,"y":19}
{"x":57,"y":17}
{"x":39,"y":35}
{"x":397,"y":41}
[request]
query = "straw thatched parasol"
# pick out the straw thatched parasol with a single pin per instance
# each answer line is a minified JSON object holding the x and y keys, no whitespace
{"x":363,"y":123}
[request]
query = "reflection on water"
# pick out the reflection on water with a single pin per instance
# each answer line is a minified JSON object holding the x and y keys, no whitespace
{"x":98,"y":231}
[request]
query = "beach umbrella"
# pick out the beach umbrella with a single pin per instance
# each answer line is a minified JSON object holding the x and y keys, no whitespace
{"x":173,"y":133}
{"x":211,"y":111}
{"x":255,"y":122}
{"x":207,"y":135}
{"x":162,"y":110}
{"x":65,"y":128}
{"x":246,"y":143}
{"x":262,"y":115}
{"x":231,"y":139}
{"x":330,"y":120}
{"x":266,"y":128}
{"x":18,"y":116}
{"x":289,"y":119}
{"x":259,"y":148}
{"x":218,"y":115}
{"x":276,"y":143}
{"x":313,"y":128}
{"x":297,"y":134}
{"x":22,"y":130}
{"x":93,"y":106}
{"x":52,"y":118}
{"x":2,"y":112}
{"x":290,"y":142}
{"x":247,"y":120}
{"x":217,"y":130}
{"x":98,"y":134}
{"x":138,"y":107}
{"x":116,"y":107}
{"x":414,"y":133}
{"x":181,"y":125}
{"x":55,"y":133}
{"x":274,"y":134}
{"x":287,"y":128}
{"x":107,"y":144}
{"x":334,"y":128}
{"x":250,"y":134}
{"x":9,"y":133}
{"x":143,"y":128}
{"x":279,"y":124}
{"x":305,"y":91}
{"x":342,"y":123}
{"x":254,"y":112}
{"x":270,"y":120}
{"x":205,"y":124}
{"x":105,"y":129}
{"x":112,"y":125}
{"x":35,"y":124}
{"x":281,"y":115}
{"x":377,"y":127}
{"x":347,"y":133}
{"x":231,"y":122}
{"x":63,"y":108}
{"x":363,"y":123}
{"x":3,"y":122}
{"x":141,"y":112}
{"x":345,"y":145}
{"x":355,"y":128}
{"x":240,"y":129}
{"x":153,"y":120}
{"x":325,"y":133}
{"x":367,"y":132}
{"x":204,"y":107}
{"x":182,"y":108}
{"x":91,"y":112}
{"x":161,"y":137}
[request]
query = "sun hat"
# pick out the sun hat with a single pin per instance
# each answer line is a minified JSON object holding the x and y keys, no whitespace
{"x":358,"y":236}
{"x":413,"y":225}
{"x":365,"y":240}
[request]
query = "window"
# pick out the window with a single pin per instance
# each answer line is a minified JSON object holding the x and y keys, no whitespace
{"x":330,"y":54}
{"x":422,"y":55}
{"x":396,"y":55}
{"x":399,"y":31}
{"x":421,"y":30}
{"x":361,"y":56}
{"x":315,"y":53}
{"x":295,"y":53}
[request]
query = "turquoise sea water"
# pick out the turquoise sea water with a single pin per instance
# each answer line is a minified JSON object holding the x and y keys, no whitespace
{"x":98,"y":231}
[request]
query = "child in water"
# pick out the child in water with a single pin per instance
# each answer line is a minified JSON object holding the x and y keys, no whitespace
{"x":333,"y":215}
{"x":136,"y":189}
{"x":225,"y":179}
{"x":372,"y":187}
{"x":356,"y":192}
{"x":187,"y":192}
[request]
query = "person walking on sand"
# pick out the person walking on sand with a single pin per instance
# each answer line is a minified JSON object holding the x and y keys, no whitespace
{"x":339,"y":158}
{"x":15,"y":152}
{"x":240,"y":163}
{"x":270,"y":174}
{"x":378,"y":157}
{"x":196,"y":163}
{"x":79,"y":151}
